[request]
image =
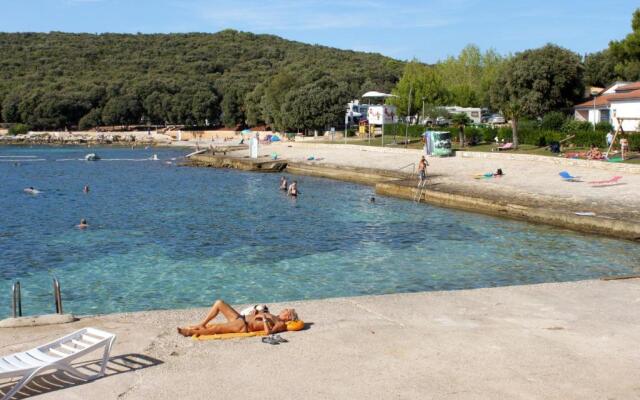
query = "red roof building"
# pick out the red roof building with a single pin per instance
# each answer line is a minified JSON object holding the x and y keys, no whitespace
{"x":619,"y":101}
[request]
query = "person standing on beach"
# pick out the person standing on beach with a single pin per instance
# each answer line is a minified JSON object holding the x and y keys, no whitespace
{"x":422,"y":170}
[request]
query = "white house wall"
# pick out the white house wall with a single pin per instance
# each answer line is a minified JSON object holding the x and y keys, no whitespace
{"x":628,"y":109}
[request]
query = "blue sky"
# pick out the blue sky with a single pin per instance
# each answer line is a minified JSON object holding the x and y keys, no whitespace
{"x":428,"y":30}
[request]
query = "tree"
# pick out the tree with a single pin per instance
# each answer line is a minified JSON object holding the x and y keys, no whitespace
{"x":460,"y":120}
{"x":122,"y":110}
{"x":537,"y":81}
{"x":424,"y":84}
{"x":599,"y":69}
{"x":627,"y":52}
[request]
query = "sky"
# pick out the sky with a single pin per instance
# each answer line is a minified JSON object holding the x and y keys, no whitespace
{"x":427,"y":30}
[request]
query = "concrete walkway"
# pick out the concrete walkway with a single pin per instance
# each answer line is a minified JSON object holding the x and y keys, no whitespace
{"x":551,"y":341}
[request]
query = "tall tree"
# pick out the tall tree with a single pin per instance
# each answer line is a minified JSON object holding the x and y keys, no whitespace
{"x":599,"y":69}
{"x":627,"y":51}
{"x":424,"y":84}
{"x":537,"y":81}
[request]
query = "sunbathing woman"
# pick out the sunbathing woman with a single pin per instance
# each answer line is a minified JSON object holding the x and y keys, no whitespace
{"x":256,"y":321}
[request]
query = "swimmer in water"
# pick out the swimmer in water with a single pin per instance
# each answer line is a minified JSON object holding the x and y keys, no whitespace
{"x":283,"y":183}
{"x":83,"y":224}
{"x":372,"y":200}
{"x":85,"y":189}
{"x":31,"y":190}
{"x":293,"y":189}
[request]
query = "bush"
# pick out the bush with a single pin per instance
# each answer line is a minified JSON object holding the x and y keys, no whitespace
{"x":604,"y":127}
{"x":572,"y":126}
{"x":413,"y":131}
{"x":19,"y":129}
{"x":553,"y":121}
{"x":474,"y":135}
{"x":586,"y":138}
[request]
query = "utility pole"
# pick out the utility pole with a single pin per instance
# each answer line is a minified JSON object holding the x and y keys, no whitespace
{"x":406,"y":126}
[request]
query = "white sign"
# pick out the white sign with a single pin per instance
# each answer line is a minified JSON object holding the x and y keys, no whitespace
{"x":379,"y":115}
{"x":253,"y":147}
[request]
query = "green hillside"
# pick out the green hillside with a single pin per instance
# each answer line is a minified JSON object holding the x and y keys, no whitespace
{"x":59,"y":80}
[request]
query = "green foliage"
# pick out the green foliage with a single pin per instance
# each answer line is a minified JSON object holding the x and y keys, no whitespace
{"x":469,"y":76}
{"x":604,"y":126}
{"x":19,"y":129}
{"x":539,"y":81}
{"x":553,"y":120}
{"x":572,"y":125}
{"x":460,"y":119}
{"x":56,"y":80}
{"x":599,"y":69}
{"x":414,"y":131}
{"x":423,"y":83}
{"x":626,"y":52}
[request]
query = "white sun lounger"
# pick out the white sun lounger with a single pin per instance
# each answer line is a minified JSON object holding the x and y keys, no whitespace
{"x":58,"y":354}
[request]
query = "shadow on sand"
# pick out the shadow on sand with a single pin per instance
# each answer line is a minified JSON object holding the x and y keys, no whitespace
{"x":59,"y":380}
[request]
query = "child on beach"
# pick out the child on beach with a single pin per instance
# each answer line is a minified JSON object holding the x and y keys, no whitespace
{"x":422,"y":169}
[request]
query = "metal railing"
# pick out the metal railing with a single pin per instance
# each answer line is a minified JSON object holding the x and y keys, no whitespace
{"x":413,"y":169}
{"x":57,"y":296}
{"x":17,"y":300}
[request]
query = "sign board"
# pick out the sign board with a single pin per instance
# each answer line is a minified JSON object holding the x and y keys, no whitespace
{"x":253,"y":147}
{"x":380,"y":115}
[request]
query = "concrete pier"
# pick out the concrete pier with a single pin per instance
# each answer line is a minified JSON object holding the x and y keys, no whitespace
{"x":551,"y":341}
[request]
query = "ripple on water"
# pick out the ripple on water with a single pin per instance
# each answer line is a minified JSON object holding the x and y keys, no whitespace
{"x":169,"y":237}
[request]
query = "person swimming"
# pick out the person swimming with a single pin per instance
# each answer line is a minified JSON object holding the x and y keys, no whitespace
{"x":293,"y":189}
{"x":283,"y":183}
{"x":31,"y":190}
{"x":83,"y":224}
{"x":85,"y":189}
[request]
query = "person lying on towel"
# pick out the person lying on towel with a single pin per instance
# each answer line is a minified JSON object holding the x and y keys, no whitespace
{"x":254,"y":321}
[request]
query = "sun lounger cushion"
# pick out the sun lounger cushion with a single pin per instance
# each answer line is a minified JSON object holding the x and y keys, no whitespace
{"x":222,"y":336}
{"x":291,"y":326}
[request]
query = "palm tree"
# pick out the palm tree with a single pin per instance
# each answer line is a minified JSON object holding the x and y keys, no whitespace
{"x":460,"y":120}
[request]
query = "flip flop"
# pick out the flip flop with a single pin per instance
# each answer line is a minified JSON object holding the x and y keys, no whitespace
{"x":280,"y":339}
{"x":270,"y":340}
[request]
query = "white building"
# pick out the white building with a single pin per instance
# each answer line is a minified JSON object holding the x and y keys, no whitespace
{"x":475,"y":114}
{"x":620,"y":100}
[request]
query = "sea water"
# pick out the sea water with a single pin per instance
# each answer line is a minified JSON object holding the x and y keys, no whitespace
{"x":162,"y":236}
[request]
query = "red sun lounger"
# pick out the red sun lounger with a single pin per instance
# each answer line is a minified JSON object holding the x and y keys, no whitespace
{"x":615,"y":179}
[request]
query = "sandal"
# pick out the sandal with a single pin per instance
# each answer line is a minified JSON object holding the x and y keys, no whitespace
{"x":270,"y":340}
{"x":280,"y":339}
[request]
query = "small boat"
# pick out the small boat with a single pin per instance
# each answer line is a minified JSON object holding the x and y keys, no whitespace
{"x":92,"y":157}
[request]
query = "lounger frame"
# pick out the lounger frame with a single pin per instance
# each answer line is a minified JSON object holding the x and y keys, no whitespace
{"x":58,"y":354}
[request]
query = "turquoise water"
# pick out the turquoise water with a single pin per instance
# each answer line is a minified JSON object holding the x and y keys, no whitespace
{"x":163,"y":236}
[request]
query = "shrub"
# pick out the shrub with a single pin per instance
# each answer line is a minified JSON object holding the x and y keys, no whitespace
{"x":474,"y":135}
{"x":586,"y":138}
{"x":19,"y":129}
{"x":604,"y":126}
{"x":553,"y":121}
{"x":571,"y":126}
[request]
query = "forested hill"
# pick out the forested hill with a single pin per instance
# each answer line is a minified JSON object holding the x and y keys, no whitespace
{"x":59,"y":80}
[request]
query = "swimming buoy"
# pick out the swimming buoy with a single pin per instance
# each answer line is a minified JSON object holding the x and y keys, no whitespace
{"x":295,"y":325}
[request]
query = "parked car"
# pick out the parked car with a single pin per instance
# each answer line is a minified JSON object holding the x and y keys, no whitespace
{"x":496,"y":119}
{"x":442,"y":121}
